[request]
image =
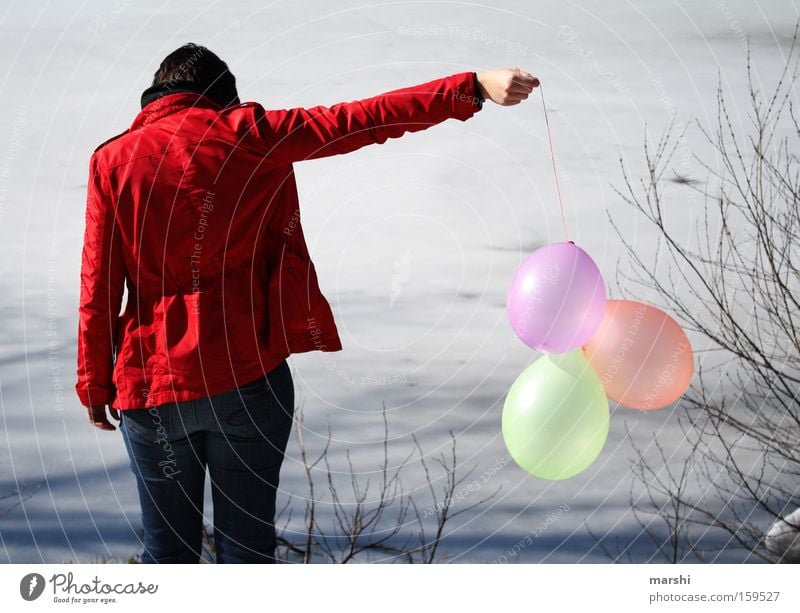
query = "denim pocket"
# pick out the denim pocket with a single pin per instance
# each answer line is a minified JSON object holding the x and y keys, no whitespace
{"x":146,"y":425}
{"x":245,"y":411}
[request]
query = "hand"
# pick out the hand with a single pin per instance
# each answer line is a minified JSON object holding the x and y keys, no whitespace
{"x":506,"y":86}
{"x":97,"y":415}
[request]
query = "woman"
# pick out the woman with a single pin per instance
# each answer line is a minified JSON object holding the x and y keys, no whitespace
{"x":194,"y":209}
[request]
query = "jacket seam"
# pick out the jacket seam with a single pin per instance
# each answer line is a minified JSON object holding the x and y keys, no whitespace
{"x":161,"y":152}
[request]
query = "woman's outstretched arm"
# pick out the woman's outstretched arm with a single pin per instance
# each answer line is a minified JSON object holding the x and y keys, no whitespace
{"x":308,"y":133}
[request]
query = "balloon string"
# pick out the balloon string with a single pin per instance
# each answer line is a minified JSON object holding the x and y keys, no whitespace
{"x":553,"y":160}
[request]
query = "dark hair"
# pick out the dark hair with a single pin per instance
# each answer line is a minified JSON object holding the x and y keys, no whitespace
{"x":202,"y":67}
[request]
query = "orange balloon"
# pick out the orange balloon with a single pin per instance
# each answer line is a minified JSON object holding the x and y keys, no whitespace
{"x":642,"y":356}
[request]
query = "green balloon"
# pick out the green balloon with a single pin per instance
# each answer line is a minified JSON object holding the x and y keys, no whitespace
{"x":556,"y":417}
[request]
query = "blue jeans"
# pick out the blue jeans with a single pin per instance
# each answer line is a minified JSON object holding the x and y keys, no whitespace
{"x":240,"y":437}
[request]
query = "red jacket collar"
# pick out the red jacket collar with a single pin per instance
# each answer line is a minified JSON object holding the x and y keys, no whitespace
{"x":172,"y":103}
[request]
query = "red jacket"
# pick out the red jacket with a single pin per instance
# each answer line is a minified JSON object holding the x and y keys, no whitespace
{"x":194,"y":210}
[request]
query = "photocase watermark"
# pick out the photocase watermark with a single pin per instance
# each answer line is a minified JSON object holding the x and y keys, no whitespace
{"x":363,"y":379}
{"x":734,"y":24}
{"x":31,"y":586}
{"x":66,"y":590}
{"x":293,"y":223}
{"x":570,"y":38}
{"x":316,"y":337}
{"x":168,"y":464}
{"x":51,"y":332}
{"x":528,"y":540}
{"x":630,"y":337}
{"x":484,"y":38}
{"x":470,"y":488}
{"x":206,"y":208}
{"x":536,"y":297}
{"x":651,"y":399}
{"x":184,"y":66}
{"x":10,"y":155}
{"x":99,"y":23}
{"x":465,"y":97}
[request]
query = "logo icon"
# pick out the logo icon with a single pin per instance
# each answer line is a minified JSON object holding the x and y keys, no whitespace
{"x":31,"y":586}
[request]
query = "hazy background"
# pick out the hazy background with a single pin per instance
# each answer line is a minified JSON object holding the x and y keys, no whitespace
{"x":415,"y":241}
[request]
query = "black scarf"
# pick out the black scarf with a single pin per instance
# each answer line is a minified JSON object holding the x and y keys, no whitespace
{"x":154,"y":92}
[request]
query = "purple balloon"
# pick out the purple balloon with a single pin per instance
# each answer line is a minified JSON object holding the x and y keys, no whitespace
{"x":557,"y":298}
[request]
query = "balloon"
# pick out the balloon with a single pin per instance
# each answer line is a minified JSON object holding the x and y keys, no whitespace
{"x":642,"y":356}
{"x":557,"y":297}
{"x":555,"y":417}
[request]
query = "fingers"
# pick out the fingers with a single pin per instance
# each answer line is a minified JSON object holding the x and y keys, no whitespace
{"x":519,"y":89}
{"x":513,"y":99}
{"x":525,"y":80}
{"x":521,"y":85}
{"x":506,"y":86}
{"x":516,"y":94}
{"x":103,"y":424}
{"x":97,"y":415}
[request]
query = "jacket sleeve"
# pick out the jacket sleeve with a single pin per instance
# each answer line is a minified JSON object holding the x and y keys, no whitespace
{"x":102,"y":284}
{"x":304,"y":134}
